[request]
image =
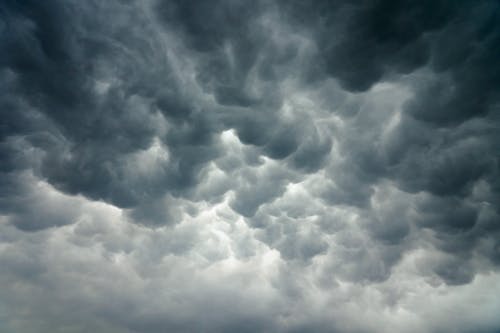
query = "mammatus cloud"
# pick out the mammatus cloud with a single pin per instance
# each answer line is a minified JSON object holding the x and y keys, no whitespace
{"x":249,"y":166}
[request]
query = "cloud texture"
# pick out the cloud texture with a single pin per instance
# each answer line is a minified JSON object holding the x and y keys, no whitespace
{"x":249,"y":166}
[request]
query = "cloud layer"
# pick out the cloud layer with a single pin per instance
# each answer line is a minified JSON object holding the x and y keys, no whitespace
{"x":249,"y":166}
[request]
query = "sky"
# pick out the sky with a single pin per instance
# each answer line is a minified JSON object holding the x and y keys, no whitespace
{"x":232,"y":166}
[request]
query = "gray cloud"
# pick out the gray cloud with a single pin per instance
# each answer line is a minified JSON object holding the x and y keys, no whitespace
{"x":236,"y":166}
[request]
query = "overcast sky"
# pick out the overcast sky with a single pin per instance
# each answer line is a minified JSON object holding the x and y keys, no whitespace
{"x":249,"y":166}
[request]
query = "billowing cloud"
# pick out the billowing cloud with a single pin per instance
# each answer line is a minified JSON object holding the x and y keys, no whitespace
{"x":249,"y":166}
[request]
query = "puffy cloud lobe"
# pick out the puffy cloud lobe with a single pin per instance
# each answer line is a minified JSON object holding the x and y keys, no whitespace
{"x":262,"y":166}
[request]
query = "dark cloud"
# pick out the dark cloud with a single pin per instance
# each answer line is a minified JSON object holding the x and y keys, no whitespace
{"x":360,"y":42}
{"x":249,"y":166}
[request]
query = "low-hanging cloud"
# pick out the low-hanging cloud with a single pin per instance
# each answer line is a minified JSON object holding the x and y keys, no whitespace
{"x":249,"y":166}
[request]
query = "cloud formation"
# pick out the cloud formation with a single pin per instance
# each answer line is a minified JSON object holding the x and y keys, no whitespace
{"x":249,"y":166}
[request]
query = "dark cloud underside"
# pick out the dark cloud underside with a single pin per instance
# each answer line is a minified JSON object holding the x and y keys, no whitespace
{"x":249,"y":166}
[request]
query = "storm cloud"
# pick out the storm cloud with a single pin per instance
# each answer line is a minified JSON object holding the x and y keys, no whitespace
{"x":249,"y":166}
